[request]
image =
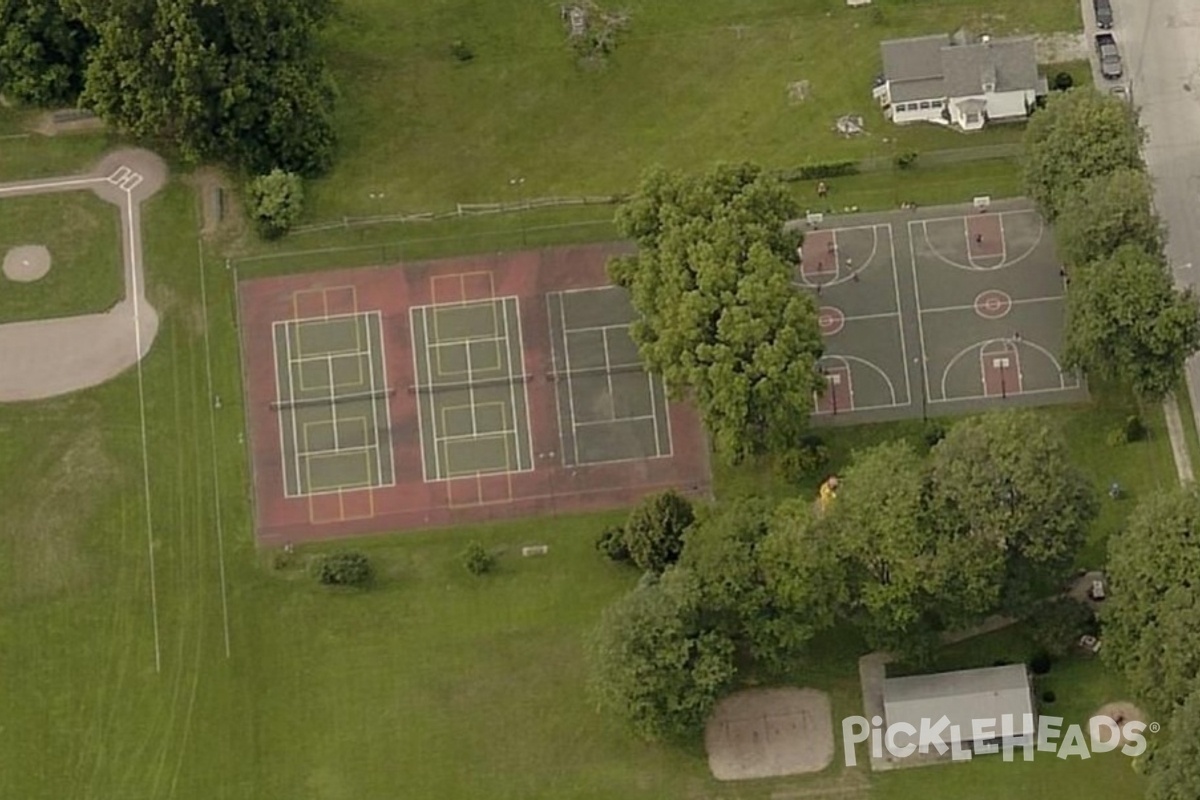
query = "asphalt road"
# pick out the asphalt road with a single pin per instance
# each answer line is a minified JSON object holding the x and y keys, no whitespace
{"x":1159,"y":42}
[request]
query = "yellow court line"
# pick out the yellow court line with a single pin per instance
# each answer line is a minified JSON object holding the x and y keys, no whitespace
{"x":305,"y":426}
{"x":448,"y":408}
{"x":438,"y":350}
{"x":362,"y":421}
{"x":451,"y":473}
{"x":364,"y":483}
{"x":497,"y":367}
{"x":433,"y":284}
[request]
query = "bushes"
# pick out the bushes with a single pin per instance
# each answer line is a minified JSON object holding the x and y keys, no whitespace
{"x":652,"y":537}
{"x":1133,"y":429}
{"x":812,"y":172}
{"x":345,"y":568}
{"x":611,"y":542}
{"x":905,"y":160}
{"x":276,"y":202}
{"x":808,"y":457}
{"x":477,"y":560}
{"x":1063,"y":81}
{"x":1040,"y":663}
{"x":1057,"y":624}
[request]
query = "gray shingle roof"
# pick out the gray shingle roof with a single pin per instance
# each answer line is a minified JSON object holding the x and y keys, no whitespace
{"x":1010,"y":63}
{"x":929,"y":67}
{"x":970,"y":694}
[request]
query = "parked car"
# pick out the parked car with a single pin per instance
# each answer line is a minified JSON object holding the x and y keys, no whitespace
{"x":1104,"y":14}
{"x":1110,"y":56}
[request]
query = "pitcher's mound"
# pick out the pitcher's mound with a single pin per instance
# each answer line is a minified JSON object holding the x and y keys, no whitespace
{"x":764,"y":733}
{"x":26,"y":263}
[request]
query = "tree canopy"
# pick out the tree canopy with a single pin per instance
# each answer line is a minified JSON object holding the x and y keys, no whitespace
{"x":1126,"y":319}
{"x":1080,"y":134}
{"x":654,"y":661}
{"x":1175,"y":766}
{"x":719,"y":316}
{"x":234,"y":80}
{"x":42,"y":52}
{"x":1151,"y":620}
{"x":1106,"y":212}
{"x":1007,"y":477}
{"x":653,"y":534}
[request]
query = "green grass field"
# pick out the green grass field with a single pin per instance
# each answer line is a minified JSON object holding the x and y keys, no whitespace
{"x":215,"y":674}
{"x":83,"y":235}
{"x":690,"y":83}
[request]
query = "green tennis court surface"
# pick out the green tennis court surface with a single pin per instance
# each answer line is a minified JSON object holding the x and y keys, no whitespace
{"x":472,"y":403}
{"x":610,"y":409}
{"x":331,"y":386}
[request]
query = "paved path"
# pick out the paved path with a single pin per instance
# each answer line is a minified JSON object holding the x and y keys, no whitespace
{"x":45,"y":358}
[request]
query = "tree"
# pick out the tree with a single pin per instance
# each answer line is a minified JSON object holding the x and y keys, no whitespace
{"x":1057,"y":624}
{"x":43,"y":48}
{"x":237,"y":79}
{"x":477,"y":559}
{"x":1151,"y":621}
{"x":1106,"y":212}
{"x":1126,"y":320}
{"x":910,"y":577}
{"x":344,"y":569}
{"x":1174,"y":772}
{"x":654,"y":530}
{"x":655,"y":663}
{"x":719,"y":317}
{"x":1007,"y":478}
{"x":276,"y":202}
{"x":1080,"y":134}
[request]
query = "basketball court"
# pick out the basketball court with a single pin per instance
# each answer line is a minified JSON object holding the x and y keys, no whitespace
{"x":937,"y":311}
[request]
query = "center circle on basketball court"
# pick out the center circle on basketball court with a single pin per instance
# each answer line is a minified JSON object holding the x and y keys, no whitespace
{"x":831,"y":320}
{"x":993,"y":304}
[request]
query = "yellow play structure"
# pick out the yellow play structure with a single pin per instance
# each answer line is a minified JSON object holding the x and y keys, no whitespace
{"x":827,"y":494}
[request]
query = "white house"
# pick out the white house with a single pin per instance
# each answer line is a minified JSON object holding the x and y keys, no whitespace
{"x":932,"y":79}
{"x":973,"y":700}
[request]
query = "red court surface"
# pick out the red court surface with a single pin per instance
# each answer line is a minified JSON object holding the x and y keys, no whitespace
{"x":1000,"y":363}
{"x":985,"y":236}
{"x":818,"y":256}
{"x":288,"y":510}
{"x":839,"y":396}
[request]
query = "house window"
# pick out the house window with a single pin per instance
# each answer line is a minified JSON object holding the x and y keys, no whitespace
{"x":924,"y":104}
{"x":937,"y":104}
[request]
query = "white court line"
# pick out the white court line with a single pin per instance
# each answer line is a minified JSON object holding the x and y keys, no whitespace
{"x":900,"y":317}
{"x":387,"y":406}
{"x":279,"y":398}
{"x":554,"y":363}
{"x":936,"y":253}
{"x":478,"y":437}
{"x":513,"y":386}
{"x":412,"y":316}
{"x":132,"y":182}
{"x":437,"y":456}
{"x":562,"y":310}
{"x":615,"y":420}
{"x":136,"y":291}
{"x":667,"y":412}
{"x":212,"y":429}
{"x":119,"y":175}
{"x":1023,"y":392}
{"x":26,"y":188}
{"x":524,"y":388}
{"x":1062,"y":379}
{"x":912,"y":254}
{"x":1003,"y":241}
{"x":332,"y":409}
{"x":881,"y":315}
{"x":1023,"y":301}
{"x":300,"y":490}
{"x":847,"y":360}
{"x":608,"y":375}
{"x":375,"y":408}
{"x":324,"y":318}
{"x":592,"y":328}
{"x":337,"y":451}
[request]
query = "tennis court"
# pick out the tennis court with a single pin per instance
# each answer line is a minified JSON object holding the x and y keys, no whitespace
{"x":469,"y":366}
{"x":609,"y":408}
{"x":331,"y":400}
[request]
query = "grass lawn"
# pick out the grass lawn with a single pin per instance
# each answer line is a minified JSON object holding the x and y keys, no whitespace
{"x":83,"y":235}
{"x":691,"y":82}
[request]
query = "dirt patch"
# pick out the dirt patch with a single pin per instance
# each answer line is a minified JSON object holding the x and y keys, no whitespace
{"x":763,"y":733}
{"x":1120,"y":712}
{"x":53,"y":123}
{"x":27,"y":263}
{"x":219,"y":206}
{"x":1055,"y":48}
